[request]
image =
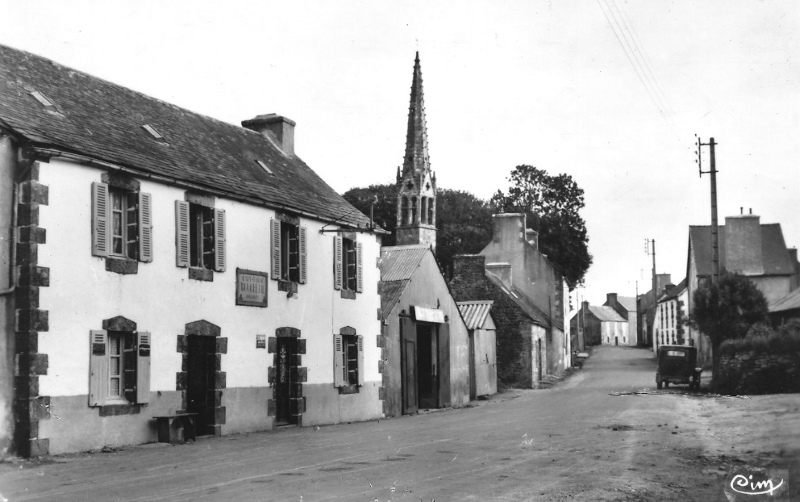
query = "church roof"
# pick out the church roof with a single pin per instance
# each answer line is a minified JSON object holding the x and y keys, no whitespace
{"x":62,"y":110}
{"x":416,"y":159}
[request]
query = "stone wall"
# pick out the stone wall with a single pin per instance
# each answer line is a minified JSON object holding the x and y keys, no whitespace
{"x":751,"y":372}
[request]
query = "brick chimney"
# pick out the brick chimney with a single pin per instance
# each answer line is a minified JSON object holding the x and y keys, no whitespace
{"x":509,"y":229}
{"x":611,"y":299}
{"x":279,"y":129}
{"x":743,"y":244}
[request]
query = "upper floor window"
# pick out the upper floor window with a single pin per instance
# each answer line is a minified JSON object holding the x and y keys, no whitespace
{"x":200,"y":234}
{"x":289,"y":262}
{"x":348,"y":266}
{"x":121,"y":223}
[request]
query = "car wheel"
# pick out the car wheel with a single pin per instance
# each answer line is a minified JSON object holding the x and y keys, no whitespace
{"x":658,"y":381}
{"x":666,"y":384}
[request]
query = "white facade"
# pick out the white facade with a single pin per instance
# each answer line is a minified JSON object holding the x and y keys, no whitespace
{"x":669,"y":326}
{"x":162,"y":299}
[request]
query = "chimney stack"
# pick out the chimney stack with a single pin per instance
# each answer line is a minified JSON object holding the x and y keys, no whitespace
{"x":532,"y":236}
{"x":278,"y":129}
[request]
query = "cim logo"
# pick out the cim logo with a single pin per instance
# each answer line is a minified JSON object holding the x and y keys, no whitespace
{"x":756,"y":484}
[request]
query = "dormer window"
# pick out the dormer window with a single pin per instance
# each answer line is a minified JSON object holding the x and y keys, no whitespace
{"x":265,"y":167}
{"x":154,"y":133}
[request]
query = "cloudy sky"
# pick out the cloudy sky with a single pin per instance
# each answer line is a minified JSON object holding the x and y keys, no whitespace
{"x":611,"y":92}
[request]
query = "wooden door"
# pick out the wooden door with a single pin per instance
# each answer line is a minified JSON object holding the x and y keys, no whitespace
{"x":408,"y":365}
{"x":473,"y":386}
{"x":539,"y":358}
{"x":442,"y":336}
{"x":200,"y":376}
{"x":284,"y":388}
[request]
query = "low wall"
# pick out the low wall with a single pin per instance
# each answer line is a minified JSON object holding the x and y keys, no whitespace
{"x":751,"y":372}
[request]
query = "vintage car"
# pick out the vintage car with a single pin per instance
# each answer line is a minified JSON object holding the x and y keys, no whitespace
{"x":676,"y":364}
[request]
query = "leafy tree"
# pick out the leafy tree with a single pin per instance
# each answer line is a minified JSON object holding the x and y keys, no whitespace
{"x":463,"y":226}
{"x":384,"y":213}
{"x":726,"y":310}
{"x":463,"y":221}
{"x":552,"y":205}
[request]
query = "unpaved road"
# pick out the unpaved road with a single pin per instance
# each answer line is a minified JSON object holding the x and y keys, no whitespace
{"x":575,"y":441}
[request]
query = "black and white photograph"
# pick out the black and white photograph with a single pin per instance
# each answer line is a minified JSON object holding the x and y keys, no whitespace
{"x":522,"y":250}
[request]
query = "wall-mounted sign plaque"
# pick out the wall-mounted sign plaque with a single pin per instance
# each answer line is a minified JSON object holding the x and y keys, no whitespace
{"x":251,"y":288}
{"x":261,"y":341}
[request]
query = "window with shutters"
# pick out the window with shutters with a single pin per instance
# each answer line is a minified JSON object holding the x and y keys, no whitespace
{"x":348,"y":361}
{"x":200,"y":240}
{"x":348,"y":269}
{"x":120,"y":369}
{"x":121,"y":225}
{"x":289,"y":263}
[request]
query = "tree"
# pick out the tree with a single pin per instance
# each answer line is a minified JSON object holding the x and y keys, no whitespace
{"x":384,"y":213}
{"x":463,"y":221}
{"x":552,"y":205}
{"x":726,"y":310}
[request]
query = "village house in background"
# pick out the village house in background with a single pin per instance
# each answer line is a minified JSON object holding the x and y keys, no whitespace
{"x":748,"y":247}
{"x":625,"y":306}
{"x":428,"y":355}
{"x":528,"y":294}
{"x":669,"y":325}
{"x":602,"y":325}
{"x":646,"y":310}
{"x":164,"y":262}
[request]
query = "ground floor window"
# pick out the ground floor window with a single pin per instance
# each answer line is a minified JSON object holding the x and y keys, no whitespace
{"x":119,"y":368}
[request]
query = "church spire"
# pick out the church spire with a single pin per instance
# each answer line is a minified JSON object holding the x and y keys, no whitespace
{"x":416,"y":159}
{"x":416,"y":199}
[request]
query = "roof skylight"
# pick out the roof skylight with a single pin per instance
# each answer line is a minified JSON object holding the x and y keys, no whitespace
{"x":48,"y":105}
{"x":264,"y":166}
{"x":154,"y":133}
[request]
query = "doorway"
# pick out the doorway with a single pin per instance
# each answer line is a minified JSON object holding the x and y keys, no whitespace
{"x":285,"y":373}
{"x":616,"y":340}
{"x":539,"y":359}
{"x":200,"y":381}
{"x":428,"y":366}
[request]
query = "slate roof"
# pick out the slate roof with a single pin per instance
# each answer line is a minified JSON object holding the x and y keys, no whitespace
{"x":628,"y":302}
{"x":606,"y":314}
{"x":103,"y":121}
{"x":788,"y":302}
{"x":475,"y":312}
{"x":674,"y":292}
{"x":397,"y":265}
{"x":532,"y":311}
{"x":775,"y":257}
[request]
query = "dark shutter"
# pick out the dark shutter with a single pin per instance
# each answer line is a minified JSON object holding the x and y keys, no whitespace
{"x":101,"y":235}
{"x":145,"y":227}
{"x":182,"y":233}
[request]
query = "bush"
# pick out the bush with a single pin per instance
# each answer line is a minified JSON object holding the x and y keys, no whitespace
{"x":762,"y":339}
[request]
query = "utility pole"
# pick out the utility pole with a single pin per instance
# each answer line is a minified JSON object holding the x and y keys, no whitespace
{"x":714,"y":223}
{"x":647,"y":249}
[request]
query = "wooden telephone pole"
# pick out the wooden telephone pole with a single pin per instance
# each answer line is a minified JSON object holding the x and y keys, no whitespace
{"x":714,"y":224}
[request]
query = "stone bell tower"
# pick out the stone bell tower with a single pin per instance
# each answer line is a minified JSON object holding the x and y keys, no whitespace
{"x":416,"y":198}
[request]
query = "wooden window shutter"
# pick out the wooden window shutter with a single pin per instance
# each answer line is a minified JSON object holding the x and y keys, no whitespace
{"x":98,"y":367}
{"x":182,"y":233}
{"x":145,"y":227}
{"x":129,"y":367}
{"x":303,"y":260}
{"x":143,"y":367}
{"x":359,"y":267}
{"x":337,"y":262}
{"x":339,"y":368}
{"x":360,"y":340}
{"x":276,"y":249}
{"x":101,"y":234}
{"x":219,"y":240}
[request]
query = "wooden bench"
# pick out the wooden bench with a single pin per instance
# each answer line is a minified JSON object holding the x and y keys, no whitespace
{"x":165,"y":423}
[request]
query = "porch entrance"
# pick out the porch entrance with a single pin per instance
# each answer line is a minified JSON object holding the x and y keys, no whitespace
{"x":425,"y":365}
{"x":285,"y":373}
{"x":200,"y":381}
{"x":428,"y":366}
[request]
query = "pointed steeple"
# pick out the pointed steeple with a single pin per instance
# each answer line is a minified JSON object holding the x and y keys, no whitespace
{"x":416,"y":199}
{"x":416,"y":159}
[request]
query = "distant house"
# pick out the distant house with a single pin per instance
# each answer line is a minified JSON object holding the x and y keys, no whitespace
{"x":528,"y":294}
{"x":669,"y":327}
{"x":646,"y":310}
{"x":626,"y":307}
{"x":482,"y":347}
{"x":587,"y":327}
{"x":747,"y":247}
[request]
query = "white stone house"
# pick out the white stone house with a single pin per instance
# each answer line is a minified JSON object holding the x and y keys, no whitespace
{"x":164,"y":262}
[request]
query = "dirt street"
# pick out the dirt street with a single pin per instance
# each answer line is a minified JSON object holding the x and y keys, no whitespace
{"x":575,"y":441}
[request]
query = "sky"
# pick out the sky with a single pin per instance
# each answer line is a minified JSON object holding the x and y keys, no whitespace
{"x":611,"y":92}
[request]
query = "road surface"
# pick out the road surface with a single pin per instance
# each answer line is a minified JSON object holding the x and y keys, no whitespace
{"x":579,"y":440}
